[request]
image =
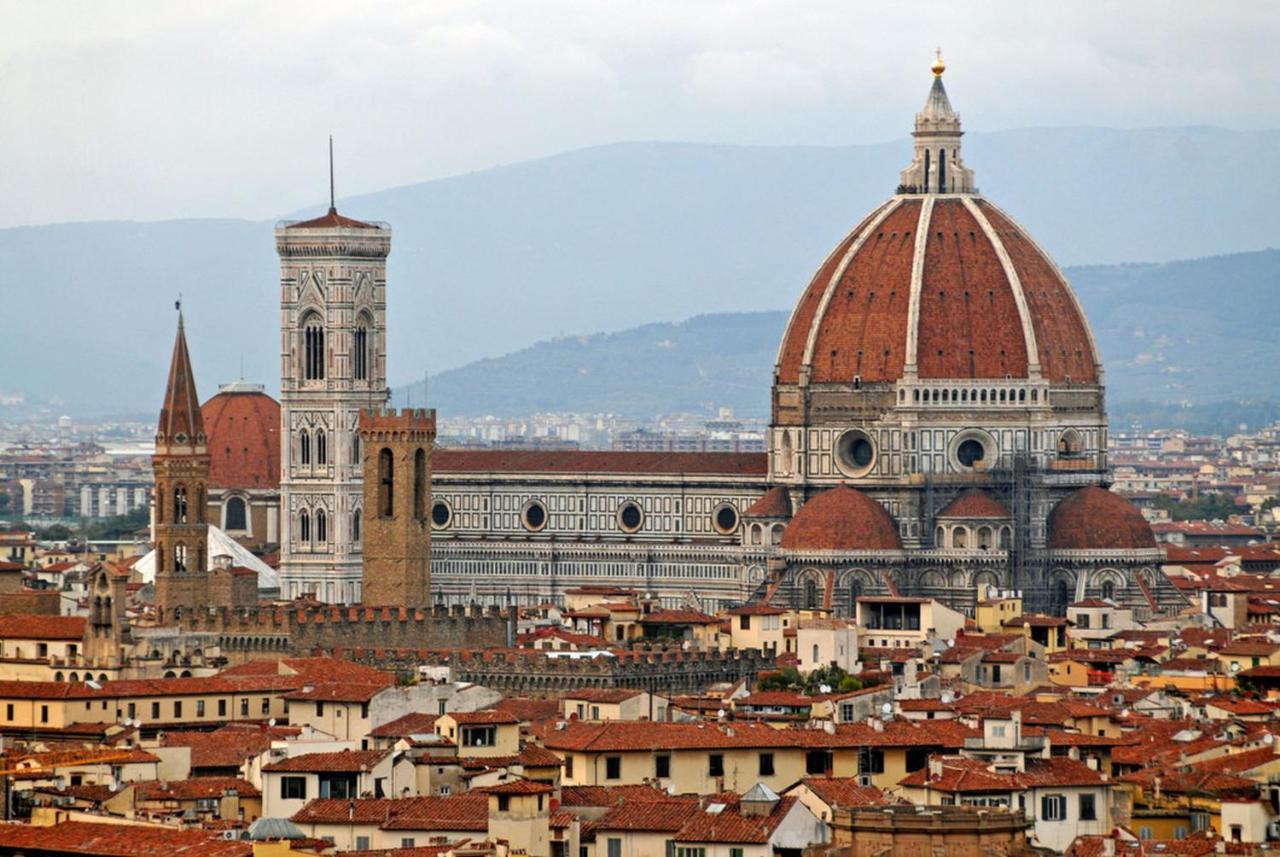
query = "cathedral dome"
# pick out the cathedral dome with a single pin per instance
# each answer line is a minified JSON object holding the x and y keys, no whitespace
{"x":975,"y":503}
{"x":1094,"y":518}
{"x":841,"y":519}
{"x":243,"y":427}
{"x":937,"y":283}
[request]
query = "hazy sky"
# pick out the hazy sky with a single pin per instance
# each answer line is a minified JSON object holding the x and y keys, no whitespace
{"x":159,"y":110}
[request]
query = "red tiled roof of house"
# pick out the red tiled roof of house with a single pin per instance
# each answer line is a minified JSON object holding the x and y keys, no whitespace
{"x":516,"y":787}
{"x":457,"y":812}
{"x":1238,"y":763}
{"x":602,"y":694}
{"x":414,"y":723}
{"x":21,"y":626}
{"x":845,"y":792}
{"x":348,"y":761}
{"x":489,"y":715}
{"x":774,"y":699}
{"x":1036,"y":620}
{"x":1196,"y":779}
{"x":960,"y":774}
{"x":331,"y":220}
{"x":193,"y":788}
{"x":609,"y":795}
{"x":756,"y":610}
{"x":119,"y":840}
{"x":528,"y":710}
{"x":447,"y":461}
{"x":335,"y":692}
{"x":730,"y":826}
{"x":679,"y":617}
{"x":228,"y":747}
{"x":659,"y":816}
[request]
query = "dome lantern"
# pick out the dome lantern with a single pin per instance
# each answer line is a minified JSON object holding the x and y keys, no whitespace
{"x":936,"y":166}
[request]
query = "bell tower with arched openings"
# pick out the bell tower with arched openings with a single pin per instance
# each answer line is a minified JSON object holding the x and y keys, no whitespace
{"x":180,"y":527}
{"x":397,"y":502}
{"x":333,"y":278}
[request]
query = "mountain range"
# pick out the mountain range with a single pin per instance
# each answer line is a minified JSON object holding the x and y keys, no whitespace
{"x":608,"y":238}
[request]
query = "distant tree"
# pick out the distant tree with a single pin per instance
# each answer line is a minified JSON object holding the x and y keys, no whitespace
{"x":54,"y":533}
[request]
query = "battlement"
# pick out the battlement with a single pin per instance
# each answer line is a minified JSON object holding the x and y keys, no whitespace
{"x":380,"y":424}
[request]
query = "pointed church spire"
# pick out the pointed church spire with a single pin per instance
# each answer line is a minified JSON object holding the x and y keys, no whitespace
{"x":180,"y":422}
{"x":936,"y":166}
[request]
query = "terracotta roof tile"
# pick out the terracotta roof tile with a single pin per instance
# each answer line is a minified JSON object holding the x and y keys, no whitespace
{"x":352,"y":761}
{"x":841,"y":518}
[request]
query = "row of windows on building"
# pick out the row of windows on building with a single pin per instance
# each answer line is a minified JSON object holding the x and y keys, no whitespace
{"x":314,"y":529}
{"x":533,"y":516}
{"x":465,"y":569}
{"x":314,"y":356}
{"x":312,"y":448}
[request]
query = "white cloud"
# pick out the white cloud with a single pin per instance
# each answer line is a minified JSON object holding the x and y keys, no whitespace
{"x":150,"y":109}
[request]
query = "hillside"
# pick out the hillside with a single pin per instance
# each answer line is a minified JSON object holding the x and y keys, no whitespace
{"x":600,"y":239}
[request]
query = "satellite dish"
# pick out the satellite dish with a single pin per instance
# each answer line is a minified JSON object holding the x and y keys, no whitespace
{"x":950,"y":643}
{"x":271,"y":722}
{"x":1268,"y":738}
{"x":1235,"y":667}
{"x":824,"y":688}
{"x":721,"y":713}
{"x":1124,"y":712}
{"x":887,"y":708}
{"x":947,"y":697}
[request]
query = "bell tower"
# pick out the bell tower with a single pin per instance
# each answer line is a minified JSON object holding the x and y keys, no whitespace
{"x":181,"y":466}
{"x":397,"y":501}
{"x":333,"y":278}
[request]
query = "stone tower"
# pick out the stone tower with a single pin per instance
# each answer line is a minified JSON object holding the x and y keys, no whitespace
{"x":181,"y":466}
{"x":107,"y":633}
{"x":397,"y":500}
{"x":332,"y":365}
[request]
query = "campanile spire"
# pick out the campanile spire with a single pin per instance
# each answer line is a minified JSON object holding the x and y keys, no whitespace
{"x":936,"y":166}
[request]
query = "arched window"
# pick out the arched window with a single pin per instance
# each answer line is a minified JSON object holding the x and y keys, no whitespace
{"x":355,"y":526}
{"x":1108,"y":590}
{"x":816,"y":654}
{"x":386,"y":484}
{"x":304,"y":526}
{"x":927,"y":164}
{"x":960,"y":537}
{"x":304,"y":447}
{"x":160,"y":508}
{"x":355,"y":448}
{"x":179,"y":557}
{"x":811,"y":594}
{"x":233,"y":516}
{"x":322,"y":526}
{"x":1005,"y":537}
{"x":180,"y":504}
{"x":984,"y":538}
{"x":360,"y":352}
{"x":940,"y":538}
{"x":322,"y":448}
{"x":942,"y":170}
{"x":313,"y":349}
{"x":420,"y":484}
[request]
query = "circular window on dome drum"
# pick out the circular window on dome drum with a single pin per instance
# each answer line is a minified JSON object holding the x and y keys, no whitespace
{"x":630,"y":517}
{"x":855,"y":453}
{"x":441,"y":514}
{"x":725,"y":519}
{"x":973,"y":450}
{"x":533,"y":516}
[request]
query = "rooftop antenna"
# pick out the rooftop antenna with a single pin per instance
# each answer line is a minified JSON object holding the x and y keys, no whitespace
{"x":332,"y":206}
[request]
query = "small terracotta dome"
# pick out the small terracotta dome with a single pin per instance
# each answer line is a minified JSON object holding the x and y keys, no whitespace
{"x":243,"y":426}
{"x":974,"y":503}
{"x":1094,"y":518}
{"x":774,"y":504}
{"x":842,"y":519}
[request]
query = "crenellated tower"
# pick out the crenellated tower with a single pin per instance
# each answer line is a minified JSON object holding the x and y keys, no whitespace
{"x":181,"y":464}
{"x":332,"y":365}
{"x":397,"y":502}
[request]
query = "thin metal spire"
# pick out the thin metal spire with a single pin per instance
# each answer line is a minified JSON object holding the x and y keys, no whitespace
{"x":332,"y":205}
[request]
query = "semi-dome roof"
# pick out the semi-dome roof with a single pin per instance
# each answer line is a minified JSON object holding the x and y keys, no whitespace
{"x":937,"y":283}
{"x":974,"y":503}
{"x":1094,"y":518}
{"x":843,"y":519}
{"x":242,"y":424}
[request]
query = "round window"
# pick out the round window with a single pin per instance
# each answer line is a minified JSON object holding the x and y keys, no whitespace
{"x":855,"y":452}
{"x":534,"y":516}
{"x":441,"y":514}
{"x":726,"y":518}
{"x":970,"y":453}
{"x":630,"y":517}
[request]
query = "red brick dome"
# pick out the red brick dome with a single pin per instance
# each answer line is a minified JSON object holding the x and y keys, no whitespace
{"x":948,"y":283}
{"x":841,"y":519}
{"x":243,"y":427}
{"x":1094,"y":518}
